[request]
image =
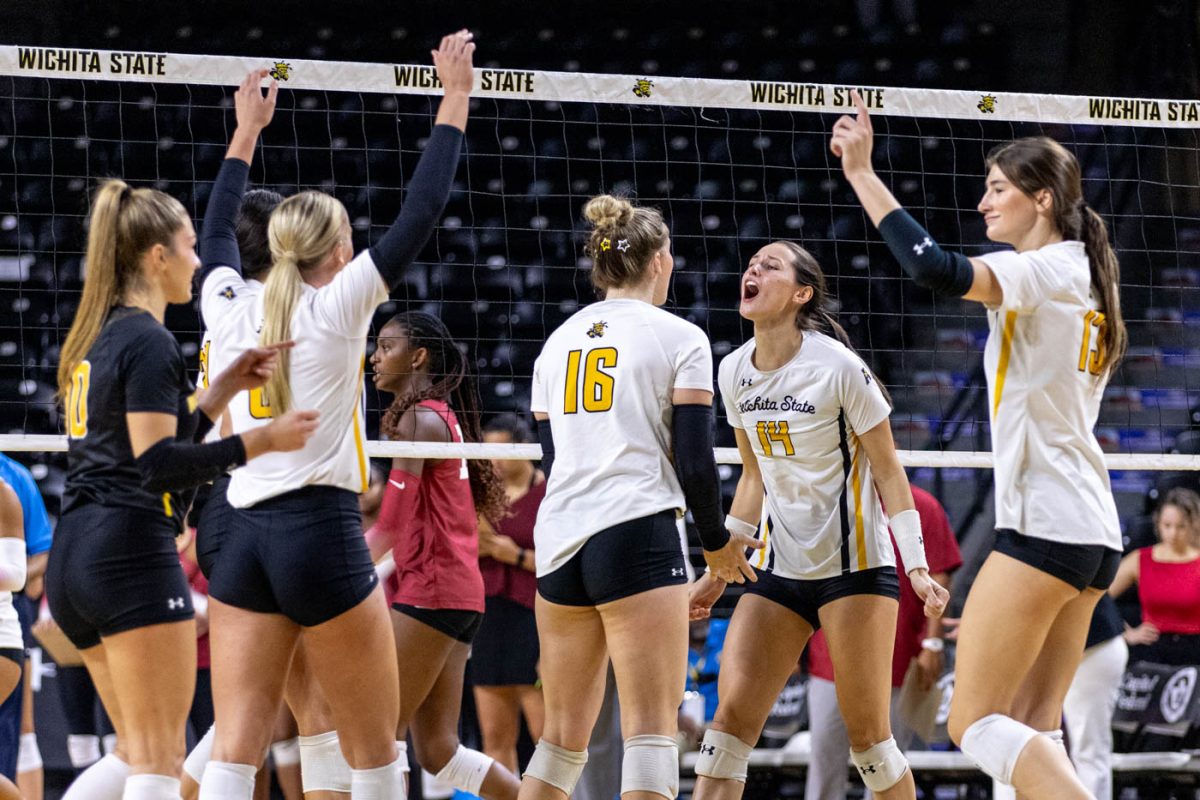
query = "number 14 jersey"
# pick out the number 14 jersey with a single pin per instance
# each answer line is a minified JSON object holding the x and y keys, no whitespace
{"x":605,"y":379}
{"x":821,"y":515}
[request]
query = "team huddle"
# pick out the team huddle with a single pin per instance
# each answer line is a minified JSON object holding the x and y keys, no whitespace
{"x":622,"y":396}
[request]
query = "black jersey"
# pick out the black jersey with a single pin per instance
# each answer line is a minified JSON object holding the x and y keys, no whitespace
{"x":134,"y":365}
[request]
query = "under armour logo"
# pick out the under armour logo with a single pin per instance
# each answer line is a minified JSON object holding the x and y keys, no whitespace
{"x":920,"y":249}
{"x":175,"y":602}
{"x":707,"y":750}
{"x":677,"y":572}
{"x":868,"y":768}
{"x":745,"y":382}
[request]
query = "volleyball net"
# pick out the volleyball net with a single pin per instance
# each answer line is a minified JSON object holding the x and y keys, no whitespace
{"x":732,"y":164}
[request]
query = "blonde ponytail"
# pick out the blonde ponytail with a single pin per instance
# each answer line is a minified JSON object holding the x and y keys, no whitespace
{"x":303,"y":231}
{"x":124,"y":223}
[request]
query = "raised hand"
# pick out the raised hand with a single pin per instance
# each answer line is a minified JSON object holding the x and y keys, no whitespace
{"x":254,"y":110}
{"x":453,"y":60}
{"x":853,"y":138}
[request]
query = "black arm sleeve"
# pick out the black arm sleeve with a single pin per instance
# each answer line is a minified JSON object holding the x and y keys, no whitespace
{"x":423,"y":205}
{"x":218,"y":236}
{"x":921,"y":257}
{"x":547,"y":439}
{"x":203,"y":426}
{"x":692,"y":438}
{"x":170,"y":465}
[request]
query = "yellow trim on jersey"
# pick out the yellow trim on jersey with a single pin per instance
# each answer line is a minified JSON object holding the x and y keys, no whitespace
{"x":860,"y":538}
{"x":762,"y":554}
{"x":359,"y":444}
{"x":167,"y":505}
{"x":1010,"y":322}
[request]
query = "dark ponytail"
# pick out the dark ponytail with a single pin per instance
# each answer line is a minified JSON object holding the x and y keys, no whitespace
{"x":815,"y":315}
{"x":1039,"y":163}
{"x":454,"y":384}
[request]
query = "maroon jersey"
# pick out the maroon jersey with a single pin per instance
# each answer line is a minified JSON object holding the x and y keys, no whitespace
{"x":509,"y":580}
{"x":437,"y":544}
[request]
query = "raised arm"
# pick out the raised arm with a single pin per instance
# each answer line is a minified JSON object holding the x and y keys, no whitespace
{"x":429,"y":187}
{"x":918,"y":253}
{"x":218,"y":239}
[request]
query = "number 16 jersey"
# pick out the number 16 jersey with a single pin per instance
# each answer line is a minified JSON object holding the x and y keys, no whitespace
{"x":605,"y":379}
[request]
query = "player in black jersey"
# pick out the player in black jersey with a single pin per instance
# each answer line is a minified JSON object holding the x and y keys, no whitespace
{"x":114,"y":581}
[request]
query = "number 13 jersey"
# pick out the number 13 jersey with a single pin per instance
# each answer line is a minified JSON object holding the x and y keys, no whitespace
{"x":1045,"y":381}
{"x":821,"y":516}
{"x":605,"y":379}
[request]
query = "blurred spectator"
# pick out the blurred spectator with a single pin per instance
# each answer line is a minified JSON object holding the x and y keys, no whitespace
{"x":504,"y":655}
{"x":1167,"y":575}
{"x":917,"y":661}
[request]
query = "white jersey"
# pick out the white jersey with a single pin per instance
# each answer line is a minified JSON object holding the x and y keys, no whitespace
{"x":605,"y":378}
{"x":1045,"y":385}
{"x":210,"y":354}
{"x":330,"y":328}
{"x":821,"y":515}
{"x":10,"y":625}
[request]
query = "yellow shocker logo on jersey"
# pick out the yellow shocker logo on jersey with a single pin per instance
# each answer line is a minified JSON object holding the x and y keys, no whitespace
{"x":597,"y":330}
{"x":228,"y":293}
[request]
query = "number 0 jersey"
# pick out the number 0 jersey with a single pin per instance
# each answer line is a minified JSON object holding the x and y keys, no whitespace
{"x":1045,"y":381}
{"x":330,"y":327}
{"x":605,"y":378}
{"x":821,"y":515}
{"x":135,"y":365}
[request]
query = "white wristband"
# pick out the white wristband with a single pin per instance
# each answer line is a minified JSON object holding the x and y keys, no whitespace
{"x":906,"y":527}
{"x":735,"y":525}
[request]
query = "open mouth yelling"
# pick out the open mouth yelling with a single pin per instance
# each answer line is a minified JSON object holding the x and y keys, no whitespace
{"x":750,"y":290}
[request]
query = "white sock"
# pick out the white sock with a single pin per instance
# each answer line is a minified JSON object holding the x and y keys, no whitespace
{"x":104,"y":780}
{"x":196,"y":760}
{"x":29,"y":756}
{"x":380,"y":783}
{"x":151,"y":787}
{"x":83,"y":749}
{"x":110,"y":743}
{"x":226,"y":781}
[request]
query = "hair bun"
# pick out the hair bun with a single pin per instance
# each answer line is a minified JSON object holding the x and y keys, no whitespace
{"x":607,"y":211}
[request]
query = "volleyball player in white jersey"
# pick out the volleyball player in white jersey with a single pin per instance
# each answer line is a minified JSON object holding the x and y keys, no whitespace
{"x":619,"y":389}
{"x":812,"y":428}
{"x":294,"y":562}
{"x":1056,"y":334}
{"x":235,"y":232}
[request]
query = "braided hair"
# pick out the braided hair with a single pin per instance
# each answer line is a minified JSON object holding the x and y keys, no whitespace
{"x":454,"y":384}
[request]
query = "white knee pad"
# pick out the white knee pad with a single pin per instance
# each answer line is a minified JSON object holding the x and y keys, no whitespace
{"x":151,"y":787}
{"x":29,"y":755}
{"x":380,"y":783}
{"x":193,"y":765}
{"x":104,"y":780}
{"x":402,"y":752}
{"x":995,"y":742}
{"x":723,"y":756}
{"x":109,"y":741}
{"x":225,"y":780}
{"x":83,"y":749}
{"x":323,"y":768}
{"x":465,"y":770}
{"x":557,"y":766}
{"x":286,"y":753}
{"x":881,"y":766}
{"x":651,"y":764}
